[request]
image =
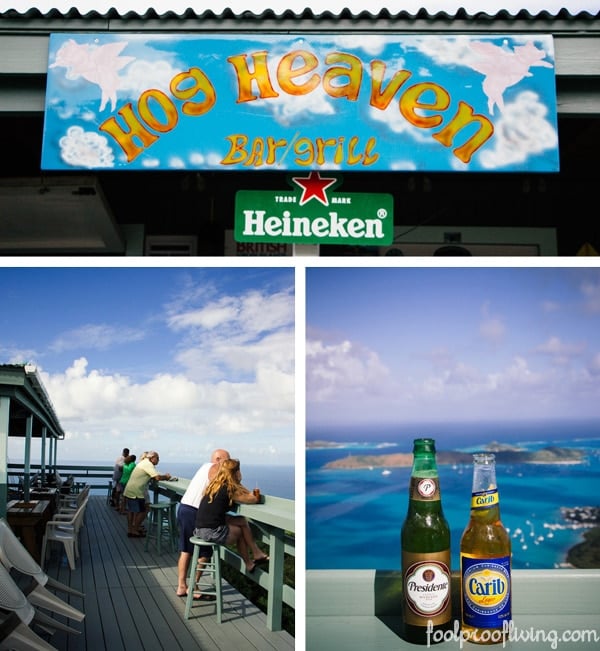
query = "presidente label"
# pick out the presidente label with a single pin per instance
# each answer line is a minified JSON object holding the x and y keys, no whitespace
{"x":486,"y":591}
{"x":264,"y":102}
{"x":485,"y":499}
{"x":427,"y":587}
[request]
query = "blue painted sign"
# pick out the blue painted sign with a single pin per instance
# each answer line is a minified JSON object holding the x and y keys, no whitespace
{"x":301,"y":102}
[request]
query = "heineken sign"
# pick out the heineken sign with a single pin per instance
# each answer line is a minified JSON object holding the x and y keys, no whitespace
{"x":313,"y":213}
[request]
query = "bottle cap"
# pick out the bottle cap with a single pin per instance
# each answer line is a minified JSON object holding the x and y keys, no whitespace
{"x":485,"y":458}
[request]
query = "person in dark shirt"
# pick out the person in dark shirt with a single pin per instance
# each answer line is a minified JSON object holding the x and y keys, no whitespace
{"x":128,"y":467}
{"x":215,"y":523}
{"x":117,"y":472}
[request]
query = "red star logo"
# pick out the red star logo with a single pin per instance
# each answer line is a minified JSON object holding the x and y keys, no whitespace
{"x":313,"y":187}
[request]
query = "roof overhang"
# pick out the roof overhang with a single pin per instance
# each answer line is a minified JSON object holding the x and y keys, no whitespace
{"x":28,"y":397}
{"x":297,"y":7}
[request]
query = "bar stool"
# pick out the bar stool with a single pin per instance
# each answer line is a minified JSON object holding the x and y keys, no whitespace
{"x":213,"y":567}
{"x":162,"y":526}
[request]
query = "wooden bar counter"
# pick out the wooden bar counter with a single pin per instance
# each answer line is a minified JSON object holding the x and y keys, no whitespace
{"x":28,"y":521}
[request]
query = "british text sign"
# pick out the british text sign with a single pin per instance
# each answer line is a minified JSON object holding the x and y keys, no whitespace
{"x":300,"y":102}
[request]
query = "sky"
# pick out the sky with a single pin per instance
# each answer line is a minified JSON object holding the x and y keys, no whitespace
{"x":180,"y":360}
{"x":408,"y":345}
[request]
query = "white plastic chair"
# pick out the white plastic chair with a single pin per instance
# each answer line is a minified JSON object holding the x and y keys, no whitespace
{"x":22,"y":638}
{"x":64,"y":528}
{"x":14,"y":556}
{"x":71,"y":502}
{"x":12,"y":600}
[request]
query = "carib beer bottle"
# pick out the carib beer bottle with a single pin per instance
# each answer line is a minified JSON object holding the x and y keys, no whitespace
{"x":425,"y":543}
{"x":485,"y":561}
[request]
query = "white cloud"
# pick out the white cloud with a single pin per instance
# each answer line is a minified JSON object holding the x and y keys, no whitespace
{"x":594,"y":365}
{"x":392,"y":119}
{"x":561,"y":353}
{"x":209,"y":316}
{"x":150,"y":162}
{"x":491,"y":328}
{"x":145,"y":75}
{"x":247,"y":313}
{"x":15,"y":355}
{"x":182,"y":416}
{"x":591,"y":294}
{"x":96,"y":336}
{"x":403,"y":165}
{"x":341,"y":370}
{"x":550,"y":306}
{"x":372,"y":45}
{"x":521,"y":131}
{"x":197,"y":159}
{"x":81,"y":148}
{"x":236,"y":334}
{"x":213,"y":159}
{"x":446,"y":51}
{"x":290,"y":109}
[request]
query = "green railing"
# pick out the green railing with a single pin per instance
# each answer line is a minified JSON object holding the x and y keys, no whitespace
{"x":274,"y":525}
{"x":98,"y":477}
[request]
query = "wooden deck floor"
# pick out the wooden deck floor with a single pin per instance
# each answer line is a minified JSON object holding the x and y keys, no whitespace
{"x":130,"y":601}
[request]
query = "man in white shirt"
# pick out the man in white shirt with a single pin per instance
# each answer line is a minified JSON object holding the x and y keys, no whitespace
{"x":186,"y":521}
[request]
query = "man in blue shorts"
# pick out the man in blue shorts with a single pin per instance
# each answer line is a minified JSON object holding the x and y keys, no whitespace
{"x":186,"y":521}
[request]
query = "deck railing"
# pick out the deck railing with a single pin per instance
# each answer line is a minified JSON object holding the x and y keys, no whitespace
{"x":274,"y":525}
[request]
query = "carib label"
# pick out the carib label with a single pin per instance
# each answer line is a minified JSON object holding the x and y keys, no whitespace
{"x":486,"y":591}
{"x":485,"y":499}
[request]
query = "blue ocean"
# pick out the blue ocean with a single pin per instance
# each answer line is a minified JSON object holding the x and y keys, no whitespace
{"x":277,"y":481}
{"x":353,"y":517}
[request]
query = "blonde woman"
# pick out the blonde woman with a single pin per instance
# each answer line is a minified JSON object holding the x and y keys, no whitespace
{"x":214,"y":523}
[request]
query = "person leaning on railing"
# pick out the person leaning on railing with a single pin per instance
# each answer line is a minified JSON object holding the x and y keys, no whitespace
{"x":214,"y":523}
{"x":128,"y":468}
{"x":135,"y":492}
{"x":117,"y":472}
{"x":186,"y":522}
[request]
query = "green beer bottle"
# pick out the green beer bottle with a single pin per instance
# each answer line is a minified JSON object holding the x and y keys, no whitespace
{"x":425,"y":542}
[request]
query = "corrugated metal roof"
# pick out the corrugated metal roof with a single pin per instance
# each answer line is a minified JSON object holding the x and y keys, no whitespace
{"x":414,"y":8}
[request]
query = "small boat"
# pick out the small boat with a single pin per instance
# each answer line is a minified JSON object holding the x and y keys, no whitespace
{"x":386,"y":472}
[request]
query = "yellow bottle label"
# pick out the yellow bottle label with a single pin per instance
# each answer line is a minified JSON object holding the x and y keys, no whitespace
{"x":484,"y":499}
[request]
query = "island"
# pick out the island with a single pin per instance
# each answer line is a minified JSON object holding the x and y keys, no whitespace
{"x":504,"y":454}
{"x":586,"y":554}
